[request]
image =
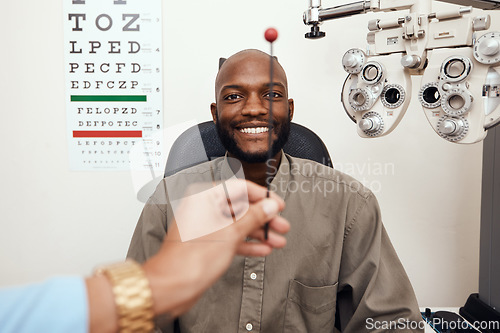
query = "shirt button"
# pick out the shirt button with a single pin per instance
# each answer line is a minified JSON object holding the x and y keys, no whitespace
{"x":253,"y":276}
{"x":249,"y":327}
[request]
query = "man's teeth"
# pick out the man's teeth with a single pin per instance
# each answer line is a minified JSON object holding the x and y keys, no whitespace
{"x":254,"y":130}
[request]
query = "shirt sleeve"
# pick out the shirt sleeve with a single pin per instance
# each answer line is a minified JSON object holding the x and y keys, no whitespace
{"x":374,"y":290}
{"x":56,"y":305}
{"x":151,"y":227}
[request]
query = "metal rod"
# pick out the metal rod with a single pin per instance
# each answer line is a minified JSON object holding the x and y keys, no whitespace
{"x":344,"y":10}
{"x":270,"y":135}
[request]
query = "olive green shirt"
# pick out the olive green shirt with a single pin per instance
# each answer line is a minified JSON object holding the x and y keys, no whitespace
{"x":338,"y":269}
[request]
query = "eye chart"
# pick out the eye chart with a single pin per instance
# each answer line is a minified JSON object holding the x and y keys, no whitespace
{"x":113,"y":82}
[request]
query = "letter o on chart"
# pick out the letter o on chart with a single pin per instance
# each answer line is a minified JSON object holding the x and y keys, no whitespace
{"x":98,"y":19}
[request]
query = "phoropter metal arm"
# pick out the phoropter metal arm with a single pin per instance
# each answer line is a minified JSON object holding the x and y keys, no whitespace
{"x":315,"y":14}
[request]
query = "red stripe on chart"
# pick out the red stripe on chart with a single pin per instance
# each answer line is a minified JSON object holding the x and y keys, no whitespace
{"x":107,"y":134}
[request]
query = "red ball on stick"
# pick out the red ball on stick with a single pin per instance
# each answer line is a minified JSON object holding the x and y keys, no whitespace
{"x":271,"y":35}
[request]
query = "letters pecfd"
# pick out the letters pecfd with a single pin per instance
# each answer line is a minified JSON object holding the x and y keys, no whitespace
{"x":106,"y":67}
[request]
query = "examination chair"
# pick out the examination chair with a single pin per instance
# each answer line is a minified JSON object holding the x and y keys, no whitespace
{"x":188,"y":151}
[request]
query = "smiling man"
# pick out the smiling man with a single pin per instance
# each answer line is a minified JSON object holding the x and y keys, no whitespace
{"x":240,"y":114}
{"x":338,"y":270}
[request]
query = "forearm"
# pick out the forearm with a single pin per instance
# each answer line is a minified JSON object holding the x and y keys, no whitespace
{"x":103,"y":317}
{"x":173,"y":293}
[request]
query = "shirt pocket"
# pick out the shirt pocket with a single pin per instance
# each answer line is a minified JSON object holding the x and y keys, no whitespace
{"x":310,"y":309}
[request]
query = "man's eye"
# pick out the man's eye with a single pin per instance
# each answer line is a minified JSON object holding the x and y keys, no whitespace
{"x":232,"y":97}
{"x":274,"y":94}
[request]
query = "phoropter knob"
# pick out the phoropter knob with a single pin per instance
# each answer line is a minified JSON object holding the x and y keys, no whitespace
{"x":489,"y":47}
{"x":370,"y":124}
{"x":353,"y":61}
{"x":315,"y":33}
{"x":411,"y":61}
{"x":453,"y":128}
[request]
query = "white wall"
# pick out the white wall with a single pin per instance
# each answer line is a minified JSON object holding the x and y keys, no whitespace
{"x":58,"y":221}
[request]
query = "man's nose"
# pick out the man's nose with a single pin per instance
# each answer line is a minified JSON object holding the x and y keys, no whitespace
{"x":254,"y":106}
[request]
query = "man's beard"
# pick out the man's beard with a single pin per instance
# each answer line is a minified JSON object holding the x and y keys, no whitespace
{"x":231,"y":146}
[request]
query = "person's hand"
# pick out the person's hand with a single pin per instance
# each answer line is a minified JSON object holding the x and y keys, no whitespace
{"x":186,"y":266}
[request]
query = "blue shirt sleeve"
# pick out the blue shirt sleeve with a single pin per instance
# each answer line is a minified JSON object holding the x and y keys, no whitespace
{"x":56,"y":305}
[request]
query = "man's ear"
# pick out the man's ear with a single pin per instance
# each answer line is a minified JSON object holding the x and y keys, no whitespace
{"x":213,"y":109}
{"x":290,"y":108}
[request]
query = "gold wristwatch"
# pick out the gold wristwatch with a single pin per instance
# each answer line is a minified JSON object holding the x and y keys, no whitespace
{"x":133,"y":296}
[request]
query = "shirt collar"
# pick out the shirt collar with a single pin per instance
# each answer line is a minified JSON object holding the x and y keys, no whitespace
{"x":279,"y":184}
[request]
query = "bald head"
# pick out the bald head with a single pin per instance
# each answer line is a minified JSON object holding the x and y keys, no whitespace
{"x":248,"y":59}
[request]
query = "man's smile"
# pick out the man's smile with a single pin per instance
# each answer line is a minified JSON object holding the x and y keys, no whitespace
{"x":254,"y":130}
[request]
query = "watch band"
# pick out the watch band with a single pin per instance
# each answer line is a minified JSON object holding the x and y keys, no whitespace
{"x":133,"y":296}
